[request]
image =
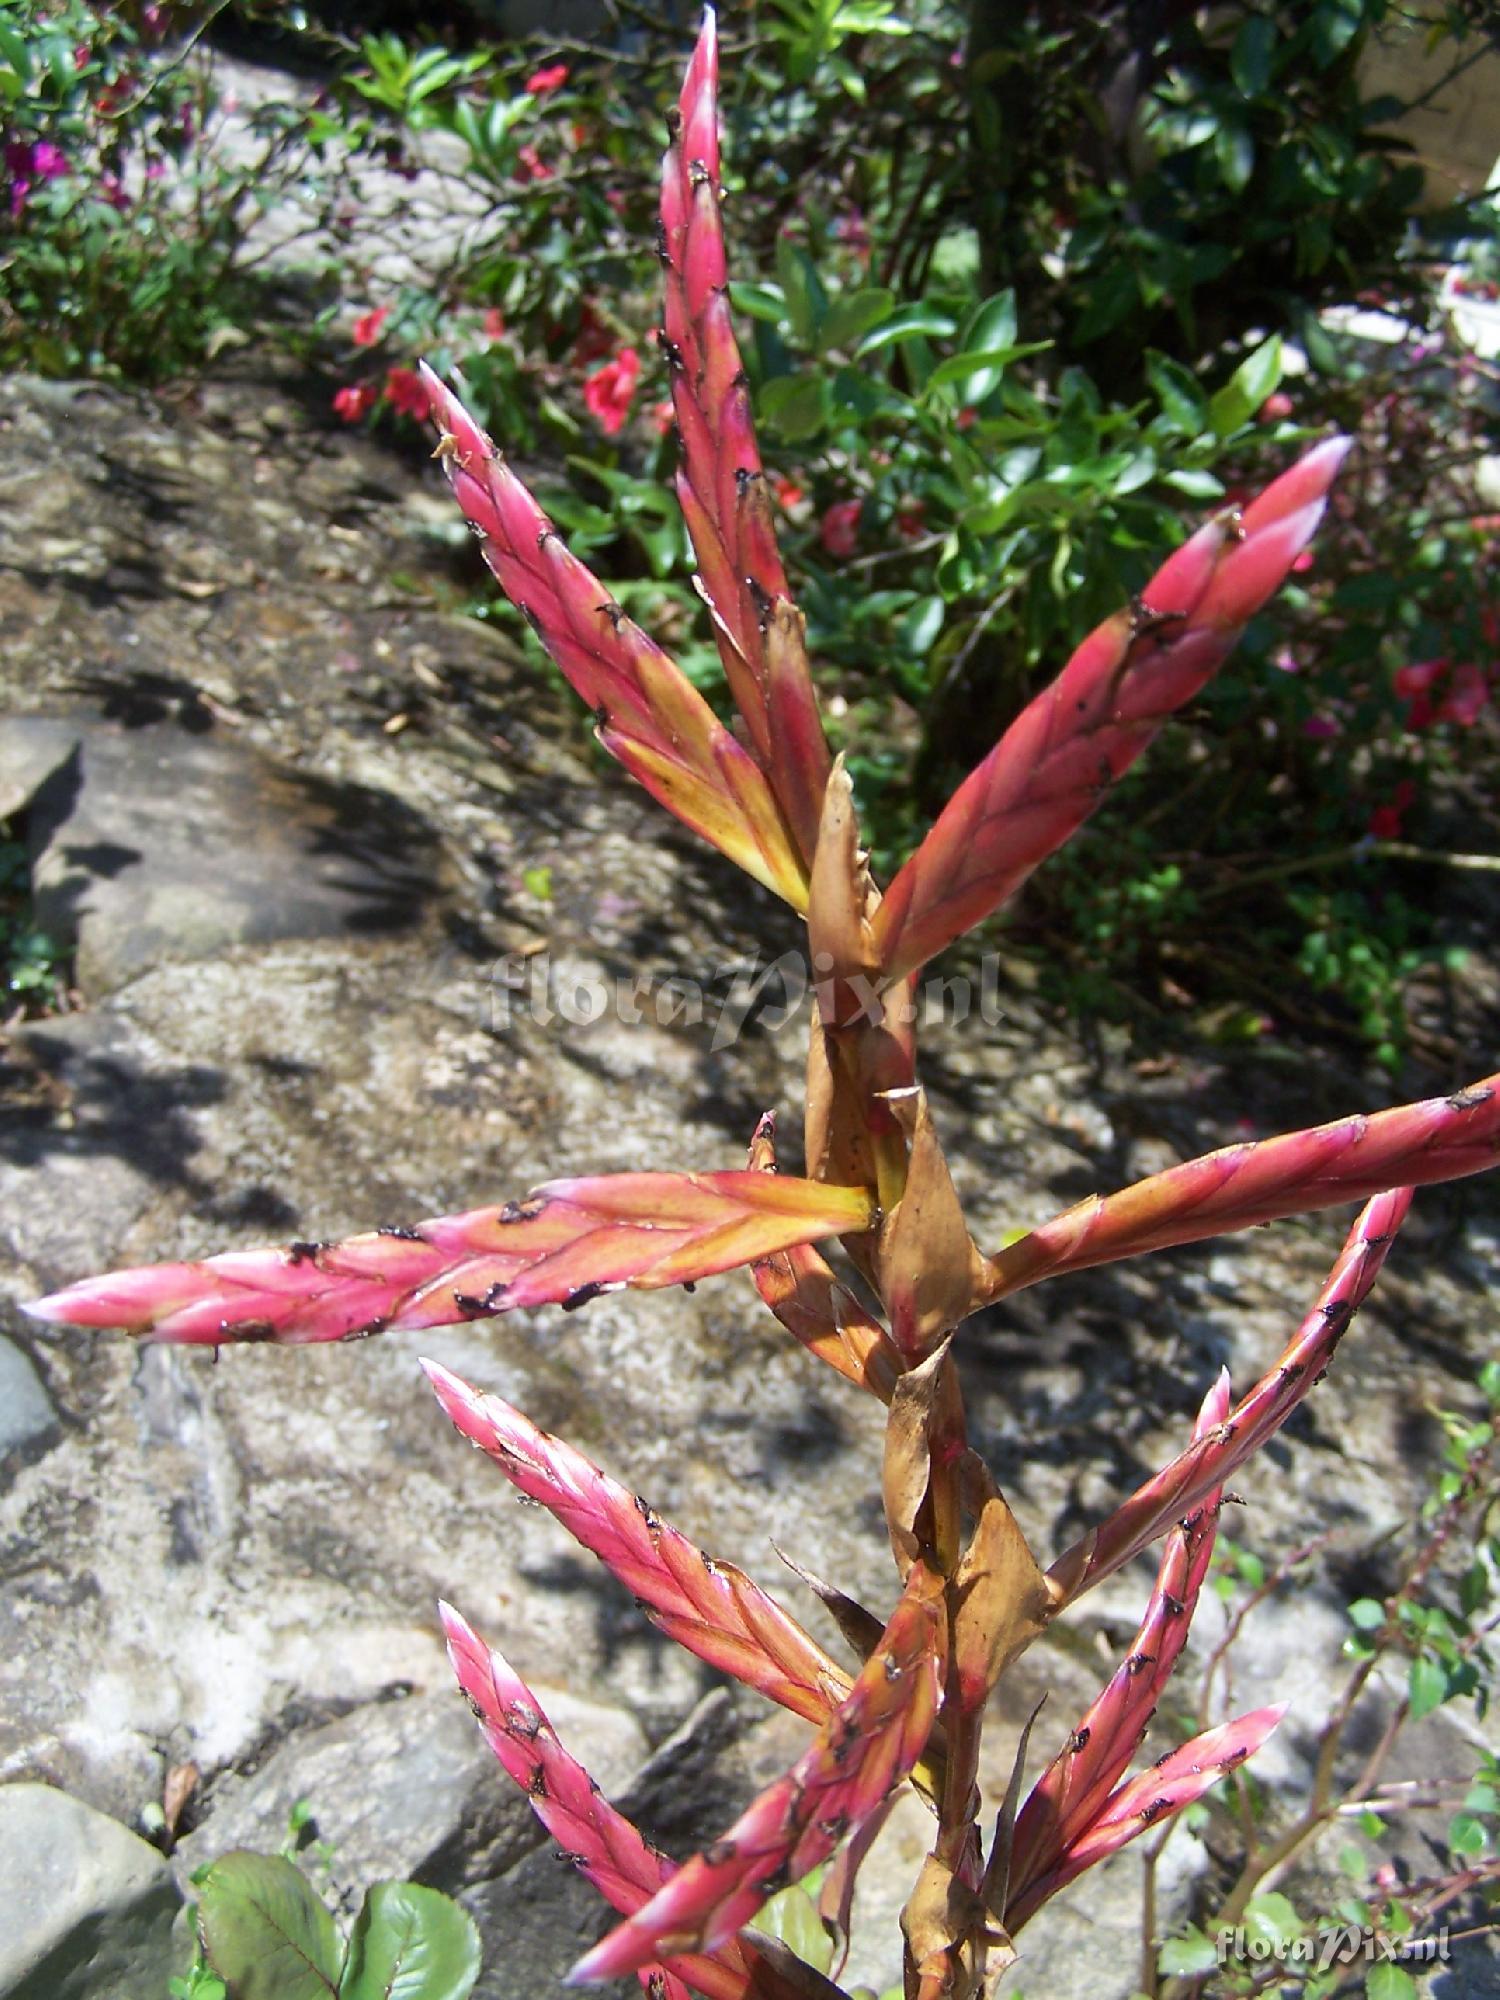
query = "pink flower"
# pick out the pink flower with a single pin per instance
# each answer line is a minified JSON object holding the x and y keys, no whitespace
{"x":354,"y":401}
{"x":1303,"y":562}
{"x":839,"y":528}
{"x":663,"y":416}
{"x":1286,"y":661}
{"x":610,"y":390}
{"x":494,"y":323}
{"x":47,"y":160}
{"x":1321,"y":727}
{"x":1467,"y":694}
{"x":367,"y":326}
{"x":113,"y":190}
{"x":552,"y":78}
{"x":967,"y":417}
{"x":1417,"y":679}
{"x":530,"y":166}
{"x":406,"y":393}
{"x":1274,"y":408}
{"x":788,"y":494}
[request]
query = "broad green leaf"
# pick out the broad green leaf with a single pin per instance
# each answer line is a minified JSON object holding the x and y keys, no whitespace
{"x":977,"y":371}
{"x":908,"y":323}
{"x":410,"y":1943}
{"x":795,"y":405}
{"x":1250,"y":60}
{"x":1234,"y":149}
{"x":850,"y":316}
{"x":1366,"y":1614}
{"x":920,"y":627}
{"x":265,"y":1930}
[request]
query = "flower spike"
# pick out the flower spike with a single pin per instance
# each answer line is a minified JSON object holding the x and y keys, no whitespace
{"x":1064,"y":751}
{"x":711,"y":1608}
{"x":564,"y":1244}
{"x":600,"y":1841}
{"x":1216,"y":1452}
{"x":720,"y":483}
{"x":1074,"y":1791}
{"x":650,"y":716}
{"x":1349,"y":1159}
{"x":867,"y":1746}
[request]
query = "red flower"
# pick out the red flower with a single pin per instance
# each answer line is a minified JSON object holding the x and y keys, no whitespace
{"x":530,"y":166}
{"x":354,"y":401}
{"x":839,"y":528}
{"x":788,"y":494}
{"x":552,"y":78}
{"x":367,"y":326}
{"x":406,"y":393}
{"x":663,"y":416}
{"x":594,"y":339}
{"x":1385,"y":821}
{"x":910,"y":518}
{"x":610,"y":390}
{"x":1467,"y":694}
{"x":1274,"y":408}
{"x":494,"y":323}
{"x":967,"y":417}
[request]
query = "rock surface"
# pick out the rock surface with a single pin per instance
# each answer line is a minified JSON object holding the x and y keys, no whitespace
{"x":89,"y":1906}
{"x":237,"y":1564}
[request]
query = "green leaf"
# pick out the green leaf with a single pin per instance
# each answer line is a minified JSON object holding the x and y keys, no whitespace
{"x":1466,"y":1834}
{"x":410,"y":1943}
{"x":1247,"y":388}
{"x":855,"y":314}
{"x":759,"y":301}
{"x":1234,"y":149}
{"x":1366,"y":1614}
{"x":1183,"y":402}
{"x":1273,"y":1918}
{"x":264,"y":1930}
{"x":806,"y":300}
{"x":977,"y":371}
{"x":795,"y":405}
{"x":1250,"y":59}
{"x":792,"y":1916}
{"x":1389,"y":1981}
{"x":1427,"y":1687}
{"x":1193,"y":1952}
{"x":919,"y":629}
{"x":1195,"y":483}
{"x":908,"y":323}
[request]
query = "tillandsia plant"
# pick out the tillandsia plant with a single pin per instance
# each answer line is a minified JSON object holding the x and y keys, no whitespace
{"x":973,"y":1594}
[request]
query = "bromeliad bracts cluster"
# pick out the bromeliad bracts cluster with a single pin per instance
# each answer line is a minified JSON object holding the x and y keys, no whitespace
{"x":910,"y":1704}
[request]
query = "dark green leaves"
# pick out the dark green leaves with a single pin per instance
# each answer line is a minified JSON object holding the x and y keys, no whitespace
{"x":267,"y":1935}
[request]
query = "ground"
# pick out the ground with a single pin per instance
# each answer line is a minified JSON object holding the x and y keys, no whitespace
{"x":306,"y":831}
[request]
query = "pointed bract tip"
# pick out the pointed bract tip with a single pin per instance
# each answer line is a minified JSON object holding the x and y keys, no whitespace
{"x":456,"y":1628}
{"x":52,"y":1308}
{"x":453,"y":420}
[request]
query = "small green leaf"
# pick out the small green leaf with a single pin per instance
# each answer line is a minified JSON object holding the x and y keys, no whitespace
{"x":1193,"y":1952}
{"x":264,"y":1930}
{"x":1183,"y":402}
{"x":1389,"y":1981}
{"x":919,"y":629}
{"x":1427,"y":1687}
{"x":1466,"y":1834}
{"x":759,"y":301}
{"x":792,"y":1916}
{"x":1366,"y":1614}
{"x":795,"y":405}
{"x":1273,"y":1918}
{"x":410,"y":1943}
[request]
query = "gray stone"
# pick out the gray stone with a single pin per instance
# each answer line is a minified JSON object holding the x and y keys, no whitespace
{"x":159,"y":844}
{"x":26,"y":1412}
{"x":31,"y":749}
{"x":89,"y":1906}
